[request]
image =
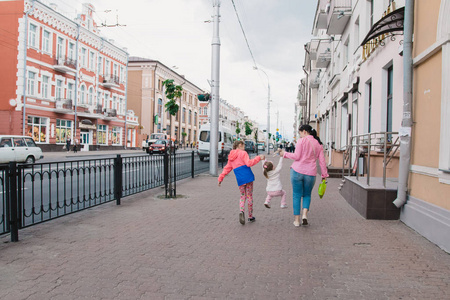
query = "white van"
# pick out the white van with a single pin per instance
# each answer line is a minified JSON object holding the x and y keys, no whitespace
{"x":19,"y":148}
{"x":225,"y":141}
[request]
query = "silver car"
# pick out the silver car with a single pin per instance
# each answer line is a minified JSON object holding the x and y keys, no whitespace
{"x":19,"y":148}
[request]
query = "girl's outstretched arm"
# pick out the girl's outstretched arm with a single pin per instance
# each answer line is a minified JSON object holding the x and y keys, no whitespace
{"x":251,"y":162}
{"x":279,"y":166}
{"x":225,"y":172}
{"x":298,"y":152}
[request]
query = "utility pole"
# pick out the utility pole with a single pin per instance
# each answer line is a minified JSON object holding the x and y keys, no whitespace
{"x":215,"y":74}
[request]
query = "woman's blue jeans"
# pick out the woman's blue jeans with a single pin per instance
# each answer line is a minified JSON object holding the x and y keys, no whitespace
{"x":301,"y":187}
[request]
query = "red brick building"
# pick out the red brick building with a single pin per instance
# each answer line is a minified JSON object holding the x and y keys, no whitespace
{"x":60,"y":79}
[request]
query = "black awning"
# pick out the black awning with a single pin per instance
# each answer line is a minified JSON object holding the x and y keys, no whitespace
{"x":86,"y":122}
{"x":391,"y":23}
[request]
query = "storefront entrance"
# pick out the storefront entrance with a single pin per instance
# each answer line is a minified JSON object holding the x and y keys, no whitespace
{"x":85,"y":139}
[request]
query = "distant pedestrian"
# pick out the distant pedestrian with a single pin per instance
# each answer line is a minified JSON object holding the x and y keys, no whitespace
{"x":68,"y":141}
{"x":75,"y":146}
{"x":303,"y":170}
{"x":274,"y":187}
{"x":239,"y":161}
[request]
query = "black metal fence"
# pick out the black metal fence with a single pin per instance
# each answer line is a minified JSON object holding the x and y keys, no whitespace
{"x":39,"y":192}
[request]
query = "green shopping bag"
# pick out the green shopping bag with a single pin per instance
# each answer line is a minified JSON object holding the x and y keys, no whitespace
{"x":322,"y":188}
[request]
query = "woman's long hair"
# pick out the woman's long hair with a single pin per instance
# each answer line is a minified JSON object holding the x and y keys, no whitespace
{"x":311,"y":131}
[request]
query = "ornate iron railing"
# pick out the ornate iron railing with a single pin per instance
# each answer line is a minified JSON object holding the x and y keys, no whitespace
{"x":36,"y":193}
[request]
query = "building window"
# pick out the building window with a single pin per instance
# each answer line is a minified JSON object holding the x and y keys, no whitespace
{"x":37,"y":129}
{"x":99,"y":98}
{"x":115,"y":70}
{"x":91,"y":96}
{"x":344,"y":125}
{"x":63,"y":130}
{"x":32,"y":35}
{"x":60,"y":48}
{"x":59,"y":92}
{"x":71,"y":51}
{"x":195,"y":118}
{"x":116,"y":135}
{"x":390,"y":88}
{"x":106,"y":104}
{"x":91,"y":61}
{"x":31,"y":83}
{"x":70,"y":91}
{"x":46,"y":41}
{"x":83,"y":57}
{"x":183,"y":116}
{"x":121,"y":107}
{"x":107,"y":67}
{"x":102,"y":135}
{"x":82,"y":95}
{"x":190,"y":117}
{"x":114,"y":103}
{"x":100,"y":59}
{"x":45,"y":80}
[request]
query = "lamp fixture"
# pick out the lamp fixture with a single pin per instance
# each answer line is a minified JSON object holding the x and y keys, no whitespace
{"x":341,"y":14}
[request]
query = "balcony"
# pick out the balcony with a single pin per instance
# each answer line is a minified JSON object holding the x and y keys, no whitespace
{"x":64,"y":65}
{"x":110,"y":113}
{"x":63,"y":106}
{"x":322,"y":15}
{"x":323,"y":54}
{"x":111,"y":81}
{"x":338,"y":16}
{"x":314,"y":78}
{"x":313,"y":47}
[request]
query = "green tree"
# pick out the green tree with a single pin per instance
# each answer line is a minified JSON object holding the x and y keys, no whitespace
{"x":238,"y":129}
{"x":248,"y":128}
{"x":173,"y":92}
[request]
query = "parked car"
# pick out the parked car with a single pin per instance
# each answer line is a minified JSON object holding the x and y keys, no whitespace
{"x":19,"y":148}
{"x":261,"y":146}
{"x":250,"y":146}
{"x":159,"y":146}
{"x":225,"y":141}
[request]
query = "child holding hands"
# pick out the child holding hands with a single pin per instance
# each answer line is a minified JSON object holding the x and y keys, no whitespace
{"x":274,"y":187}
{"x":240,"y":163}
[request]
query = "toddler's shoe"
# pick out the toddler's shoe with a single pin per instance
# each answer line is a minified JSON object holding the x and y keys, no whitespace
{"x":283,"y":206}
{"x":242,"y":218}
{"x":252,"y":219}
{"x":267,"y":204}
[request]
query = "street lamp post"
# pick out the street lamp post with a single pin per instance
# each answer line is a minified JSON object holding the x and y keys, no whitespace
{"x":268,"y":108}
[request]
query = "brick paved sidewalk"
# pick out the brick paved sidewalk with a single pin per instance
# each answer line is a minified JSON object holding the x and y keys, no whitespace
{"x":195,"y":248}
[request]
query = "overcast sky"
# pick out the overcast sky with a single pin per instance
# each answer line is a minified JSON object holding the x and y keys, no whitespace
{"x":175,"y":33}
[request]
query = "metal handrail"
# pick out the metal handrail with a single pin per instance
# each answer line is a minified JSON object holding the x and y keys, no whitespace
{"x":365,"y":140}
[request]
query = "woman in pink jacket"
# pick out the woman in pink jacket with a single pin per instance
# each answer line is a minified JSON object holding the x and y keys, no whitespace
{"x":303,"y":170}
{"x":239,"y":162}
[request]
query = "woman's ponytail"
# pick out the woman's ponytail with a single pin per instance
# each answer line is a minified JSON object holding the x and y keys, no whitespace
{"x":311,"y":131}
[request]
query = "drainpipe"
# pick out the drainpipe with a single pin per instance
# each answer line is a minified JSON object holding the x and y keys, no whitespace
{"x":405,"y":129}
{"x":76,"y":84}
{"x":25,"y":69}
{"x":126,"y":104}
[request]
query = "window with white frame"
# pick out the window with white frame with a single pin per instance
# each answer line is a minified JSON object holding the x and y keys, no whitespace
{"x":59,"y":89}
{"x":102,"y":134}
{"x":122,"y":77}
{"x":60,"y":48}
{"x":31,"y":83}
{"x":106,"y":101}
{"x":91,"y":96}
{"x":70,"y":93}
{"x":100,"y":67}
{"x":190,"y":117}
{"x":37,"y":128}
{"x":115,"y":70}
{"x":114,"y":102}
{"x":107,"y":67}
{"x":45,"y":84}
{"x":91,"y":61}
{"x":83,"y":57}
{"x":99,"y":98}
{"x":82,"y":94}
{"x":63,"y":130}
{"x":183,"y":116}
{"x":116,"y":136}
{"x":121,"y":107}
{"x":71,"y":52}
{"x":46,"y":41}
{"x":32,"y":32}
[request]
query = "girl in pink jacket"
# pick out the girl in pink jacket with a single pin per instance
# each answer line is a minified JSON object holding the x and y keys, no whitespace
{"x":239,"y":162}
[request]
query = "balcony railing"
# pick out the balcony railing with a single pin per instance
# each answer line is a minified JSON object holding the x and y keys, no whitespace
{"x":338,"y":16}
{"x":63,"y":105}
{"x":65,"y":64}
{"x":111,"y":81}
